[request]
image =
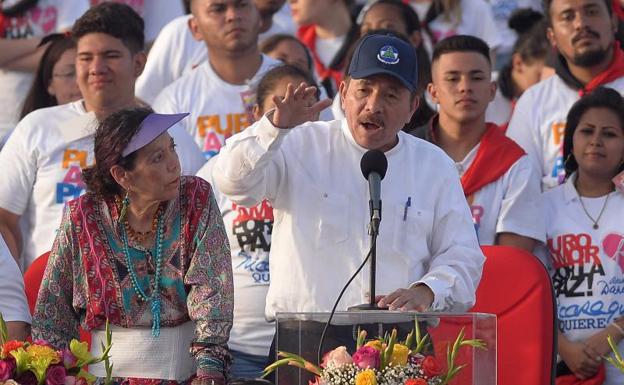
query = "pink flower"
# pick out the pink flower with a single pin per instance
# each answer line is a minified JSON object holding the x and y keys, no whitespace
{"x":337,"y":358}
{"x":6,"y":369}
{"x":416,"y":359}
{"x":56,"y":375}
{"x":71,"y":380}
{"x":42,"y":343}
{"x":366,"y":357}
{"x":69,"y":360}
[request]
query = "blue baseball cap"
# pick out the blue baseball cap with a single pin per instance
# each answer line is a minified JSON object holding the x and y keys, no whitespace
{"x":385,"y":54}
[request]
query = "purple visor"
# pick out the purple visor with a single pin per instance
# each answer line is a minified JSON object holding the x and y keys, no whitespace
{"x":151,"y":128}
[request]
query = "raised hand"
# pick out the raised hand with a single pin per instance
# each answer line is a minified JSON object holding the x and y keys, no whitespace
{"x":297,"y":107}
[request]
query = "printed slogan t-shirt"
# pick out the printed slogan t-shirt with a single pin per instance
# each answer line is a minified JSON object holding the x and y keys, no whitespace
{"x":588,"y":263}
{"x":249,"y":232}
{"x":538,"y":124}
{"x":218,"y":109}
{"x":41,"y":169}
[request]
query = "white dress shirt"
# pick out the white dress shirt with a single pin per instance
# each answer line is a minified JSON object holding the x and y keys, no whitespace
{"x":311,"y":176}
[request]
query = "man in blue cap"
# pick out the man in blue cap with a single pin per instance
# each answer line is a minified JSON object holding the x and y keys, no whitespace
{"x":427,"y":251}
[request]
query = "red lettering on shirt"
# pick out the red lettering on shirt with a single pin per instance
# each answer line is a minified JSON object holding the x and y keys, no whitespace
{"x":573,"y":249}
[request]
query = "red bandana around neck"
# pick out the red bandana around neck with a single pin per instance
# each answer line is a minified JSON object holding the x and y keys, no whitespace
{"x":496,"y":154}
{"x":614,"y":71}
{"x":307,"y":34}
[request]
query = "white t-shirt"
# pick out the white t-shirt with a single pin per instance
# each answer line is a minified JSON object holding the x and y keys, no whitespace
{"x":588,"y":263}
{"x":174,"y":53}
{"x":155,"y":13}
{"x":477,"y":20}
{"x":510,"y":204}
{"x":538,"y":125}
{"x":326,"y":49}
{"x":46,"y":17}
{"x":311,"y":175}
{"x":249,"y":232}
{"x":41,"y":165}
{"x":218,"y":109}
{"x":499,"y":110}
{"x":13,"y":305}
{"x":502,"y":10}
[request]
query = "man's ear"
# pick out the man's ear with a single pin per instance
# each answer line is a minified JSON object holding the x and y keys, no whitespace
{"x":550,"y":34}
{"x":433,"y":91}
{"x":139,"y":58}
{"x":194,"y":27}
{"x":342,"y":89}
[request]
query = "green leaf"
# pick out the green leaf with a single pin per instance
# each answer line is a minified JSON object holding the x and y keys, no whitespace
{"x":4,"y":333}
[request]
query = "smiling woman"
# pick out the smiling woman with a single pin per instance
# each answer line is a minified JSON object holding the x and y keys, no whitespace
{"x":146,"y":249}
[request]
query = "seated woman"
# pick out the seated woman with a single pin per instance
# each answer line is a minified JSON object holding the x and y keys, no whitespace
{"x":584,"y":237}
{"x":145,"y":249}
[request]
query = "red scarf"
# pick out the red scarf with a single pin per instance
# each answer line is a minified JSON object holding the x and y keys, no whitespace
{"x":615,"y":71}
{"x":496,"y":154}
{"x":571,"y":379}
{"x":307,"y":34}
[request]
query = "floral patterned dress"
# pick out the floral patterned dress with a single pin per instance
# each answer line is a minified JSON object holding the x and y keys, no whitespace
{"x":87,"y":279}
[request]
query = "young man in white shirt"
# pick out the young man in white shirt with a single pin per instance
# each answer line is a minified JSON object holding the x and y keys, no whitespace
{"x":176,"y":52}
{"x":218,"y":94}
{"x":310,"y":173}
{"x":499,"y":183}
{"x":583,"y":33}
{"x":42,"y":159}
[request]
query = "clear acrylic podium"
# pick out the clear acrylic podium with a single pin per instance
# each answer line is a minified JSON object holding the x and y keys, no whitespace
{"x":300,"y":333}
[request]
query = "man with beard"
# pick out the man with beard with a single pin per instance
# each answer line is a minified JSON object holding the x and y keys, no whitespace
{"x":588,"y":56}
{"x":310,"y":173}
{"x":217,"y":93}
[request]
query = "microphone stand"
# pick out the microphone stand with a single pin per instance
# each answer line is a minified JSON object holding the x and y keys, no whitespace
{"x":373,"y":231}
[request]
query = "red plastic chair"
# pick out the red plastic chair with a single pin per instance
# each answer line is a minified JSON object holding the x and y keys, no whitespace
{"x":516,"y":287}
{"x":32,"y":282}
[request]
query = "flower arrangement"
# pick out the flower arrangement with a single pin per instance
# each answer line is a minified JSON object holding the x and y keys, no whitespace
{"x":382,"y":361}
{"x":37,"y":363}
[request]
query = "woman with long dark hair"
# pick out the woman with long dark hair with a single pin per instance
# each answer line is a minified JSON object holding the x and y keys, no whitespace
{"x":55,"y":79}
{"x":584,"y":237}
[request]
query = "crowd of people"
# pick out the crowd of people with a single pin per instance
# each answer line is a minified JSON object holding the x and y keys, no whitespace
{"x":188,"y":169}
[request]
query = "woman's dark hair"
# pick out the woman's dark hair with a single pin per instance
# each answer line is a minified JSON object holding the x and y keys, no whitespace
{"x":38,"y":96}
{"x":531,"y":45}
{"x":601,"y":97}
{"x":114,"y":19}
{"x":412,"y":24}
{"x":269,"y":80}
{"x":111,"y":137}
{"x":270,"y":43}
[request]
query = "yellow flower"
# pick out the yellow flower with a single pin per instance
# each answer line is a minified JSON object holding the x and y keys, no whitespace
{"x":80,"y":350}
{"x":366,"y":377}
{"x":399,"y":355}
{"x":374,"y":344}
{"x":22,"y":360}
{"x":43,"y":352}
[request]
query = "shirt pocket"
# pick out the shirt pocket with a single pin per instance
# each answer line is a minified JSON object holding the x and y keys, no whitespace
{"x":412,"y":231}
{"x":333,"y":219}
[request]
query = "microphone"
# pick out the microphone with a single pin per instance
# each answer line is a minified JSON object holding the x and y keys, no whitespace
{"x":374,"y":166}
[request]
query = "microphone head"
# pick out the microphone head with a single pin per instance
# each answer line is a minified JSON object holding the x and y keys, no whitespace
{"x":374,"y":161}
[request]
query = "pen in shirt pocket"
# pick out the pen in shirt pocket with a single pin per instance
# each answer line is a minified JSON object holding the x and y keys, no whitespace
{"x":408,"y":203}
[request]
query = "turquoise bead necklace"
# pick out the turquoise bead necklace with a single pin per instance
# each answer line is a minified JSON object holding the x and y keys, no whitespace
{"x":154,"y":297}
